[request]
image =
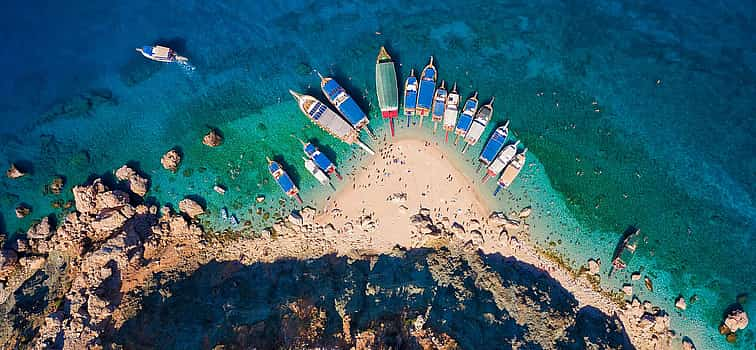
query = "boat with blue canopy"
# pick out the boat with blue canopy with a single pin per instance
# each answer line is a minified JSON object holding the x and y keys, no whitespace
{"x":439,"y":106}
{"x":283,"y":180}
{"x":511,"y":171}
{"x":410,"y":96}
{"x":494,"y":145}
{"x":344,"y":103}
{"x":161,"y":54}
{"x":497,"y":165}
{"x":328,"y":120}
{"x":451,"y":112}
{"x":426,"y":90}
{"x":482,"y":117}
{"x":320,"y":159}
{"x":466,"y":118}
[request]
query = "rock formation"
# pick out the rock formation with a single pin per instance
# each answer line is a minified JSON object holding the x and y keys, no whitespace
{"x":736,"y":320}
{"x":22,"y":211}
{"x":13,"y":172}
{"x":56,"y":187}
{"x":171,"y":160}
{"x":212,"y":139}
{"x":137,"y":184}
{"x":191,"y":208}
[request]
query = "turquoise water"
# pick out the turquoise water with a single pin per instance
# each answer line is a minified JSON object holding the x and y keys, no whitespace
{"x":634,"y":113}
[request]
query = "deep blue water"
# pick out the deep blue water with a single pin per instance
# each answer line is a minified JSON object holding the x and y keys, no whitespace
{"x":639,"y":112}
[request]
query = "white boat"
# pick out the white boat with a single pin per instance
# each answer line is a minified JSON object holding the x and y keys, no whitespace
{"x":451,"y":112}
{"x":315,"y":171}
{"x":161,"y":54}
{"x":511,"y":171}
{"x":482,"y":117}
{"x":505,"y":156}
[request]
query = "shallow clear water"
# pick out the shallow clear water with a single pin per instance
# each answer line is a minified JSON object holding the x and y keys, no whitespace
{"x":667,"y":145}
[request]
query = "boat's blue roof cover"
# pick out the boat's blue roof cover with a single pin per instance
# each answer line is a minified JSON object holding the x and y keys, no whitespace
{"x":425,"y":97}
{"x":464,"y":122}
{"x":439,"y":106}
{"x":285,"y":182}
{"x":332,"y":89}
{"x":309,"y":149}
{"x":352,"y":111}
{"x":429,"y":73}
{"x":273,"y":167}
{"x":322,"y":161}
{"x":410,"y":99}
{"x":493,"y":146}
{"x":147,"y":49}
{"x":411,"y":80}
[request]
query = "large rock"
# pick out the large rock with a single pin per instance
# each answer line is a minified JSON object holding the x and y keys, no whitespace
{"x":110,"y":200}
{"x":22,"y":211}
{"x":8,"y":262}
{"x":525,"y":212}
{"x":680,"y":303}
{"x":40,"y":230}
{"x":736,"y":320}
{"x":13,"y":172}
{"x":594,"y":266}
{"x":137,"y":184}
{"x":191,"y":208}
{"x":171,"y":160}
{"x":85,"y":197}
{"x":109,"y":220}
{"x":212,"y":139}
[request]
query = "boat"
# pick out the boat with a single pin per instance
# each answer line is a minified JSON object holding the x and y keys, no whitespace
{"x":315,"y":171}
{"x":625,"y":249}
{"x":466,"y":118}
{"x":283,"y":180}
{"x":451,"y":112}
{"x":161,"y":54}
{"x":511,"y":171}
{"x":224,"y":214}
{"x":482,"y":117}
{"x":386,"y":87}
{"x":320,"y":159}
{"x":439,"y":106}
{"x":425,"y":91}
{"x":234,"y":221}
{"x":328,"y":120}
{"x":344,"y":103}
{"x":497,"y":165}
{"x":410,"y":96}
{"x":494,"y":145}
{"x":220,"y":189}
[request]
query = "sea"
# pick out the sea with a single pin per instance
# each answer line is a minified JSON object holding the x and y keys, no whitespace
{"x":633,"y":112}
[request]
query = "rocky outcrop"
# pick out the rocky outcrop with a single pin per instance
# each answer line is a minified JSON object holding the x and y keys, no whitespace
{"x":137,"y":184}
{"x":594,"y":266}
{"x":212,"y":139}
{"x":736,"y":320}
{"x":191,"y":208}
{"x":650,"y":325}
{"x":22,"y":211}
{"x":8,"y":263}
{"x":56,"y":187}
{"x":171,"y":160}
{"x":13,"y":172}
{"x":40,"y":230}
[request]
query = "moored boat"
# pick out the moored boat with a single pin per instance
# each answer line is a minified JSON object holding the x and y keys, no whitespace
{"x":315,"y":171}
{"x":283,"y":180}
{"x":426,"y":90}
{"x":410,"y":96}
{"x":328,"y":120}
{"x":224,"y":214}
{"x":234,"y":221}
{"x":386,"y":87}
{"x":451,"y":112}
{"x":439,"y":106}
{"x":466,"y":118}
{"x":511,"y":171}
{"x":161,"y":54}
{"x":482,"y":117}
{"x":494,"y":145}
{"x":625,"y":249}
{"x":320,"y":159}
{"x":344,"y":103}
{"x":497,"y":165}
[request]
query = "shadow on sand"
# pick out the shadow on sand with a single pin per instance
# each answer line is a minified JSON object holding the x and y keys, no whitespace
{"x":260,"y":305}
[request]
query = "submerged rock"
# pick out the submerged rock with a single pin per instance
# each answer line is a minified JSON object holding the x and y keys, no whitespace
{"x":212,"y":139}
{"x":13,"y":172}
{"x":137,"y":184}
{"x":56,"y":187}
{"x":22,"y":211}
{"x":191,"y":208}
{"x":171,"y":160}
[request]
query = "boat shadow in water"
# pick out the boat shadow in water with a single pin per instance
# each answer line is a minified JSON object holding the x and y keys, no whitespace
{"x":481,"y":301}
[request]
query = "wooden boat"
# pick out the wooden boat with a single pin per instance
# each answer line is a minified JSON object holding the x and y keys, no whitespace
{"x":439,"y":106}
{"x":410,"y":96}
{"x":345,"y":104}
{"x":386,"y":87}
{"x":328,"y":120}
{"x":451,"y":112}
{"x":320,"y":159}
{"x":313,"y":169}
{"x":494,"y":145}
{"x":625,"y":249}
{"x":497,"y":165}
{"x":425,"y":92}
{"x":283,"y":180}
{"x":161,"y":54}
{"x":511,"y":171}
{"x":482,"y":117}
{"x":466,"y":118}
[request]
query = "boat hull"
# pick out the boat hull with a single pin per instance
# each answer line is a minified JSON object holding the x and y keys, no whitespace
{"x":386,"y":85}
